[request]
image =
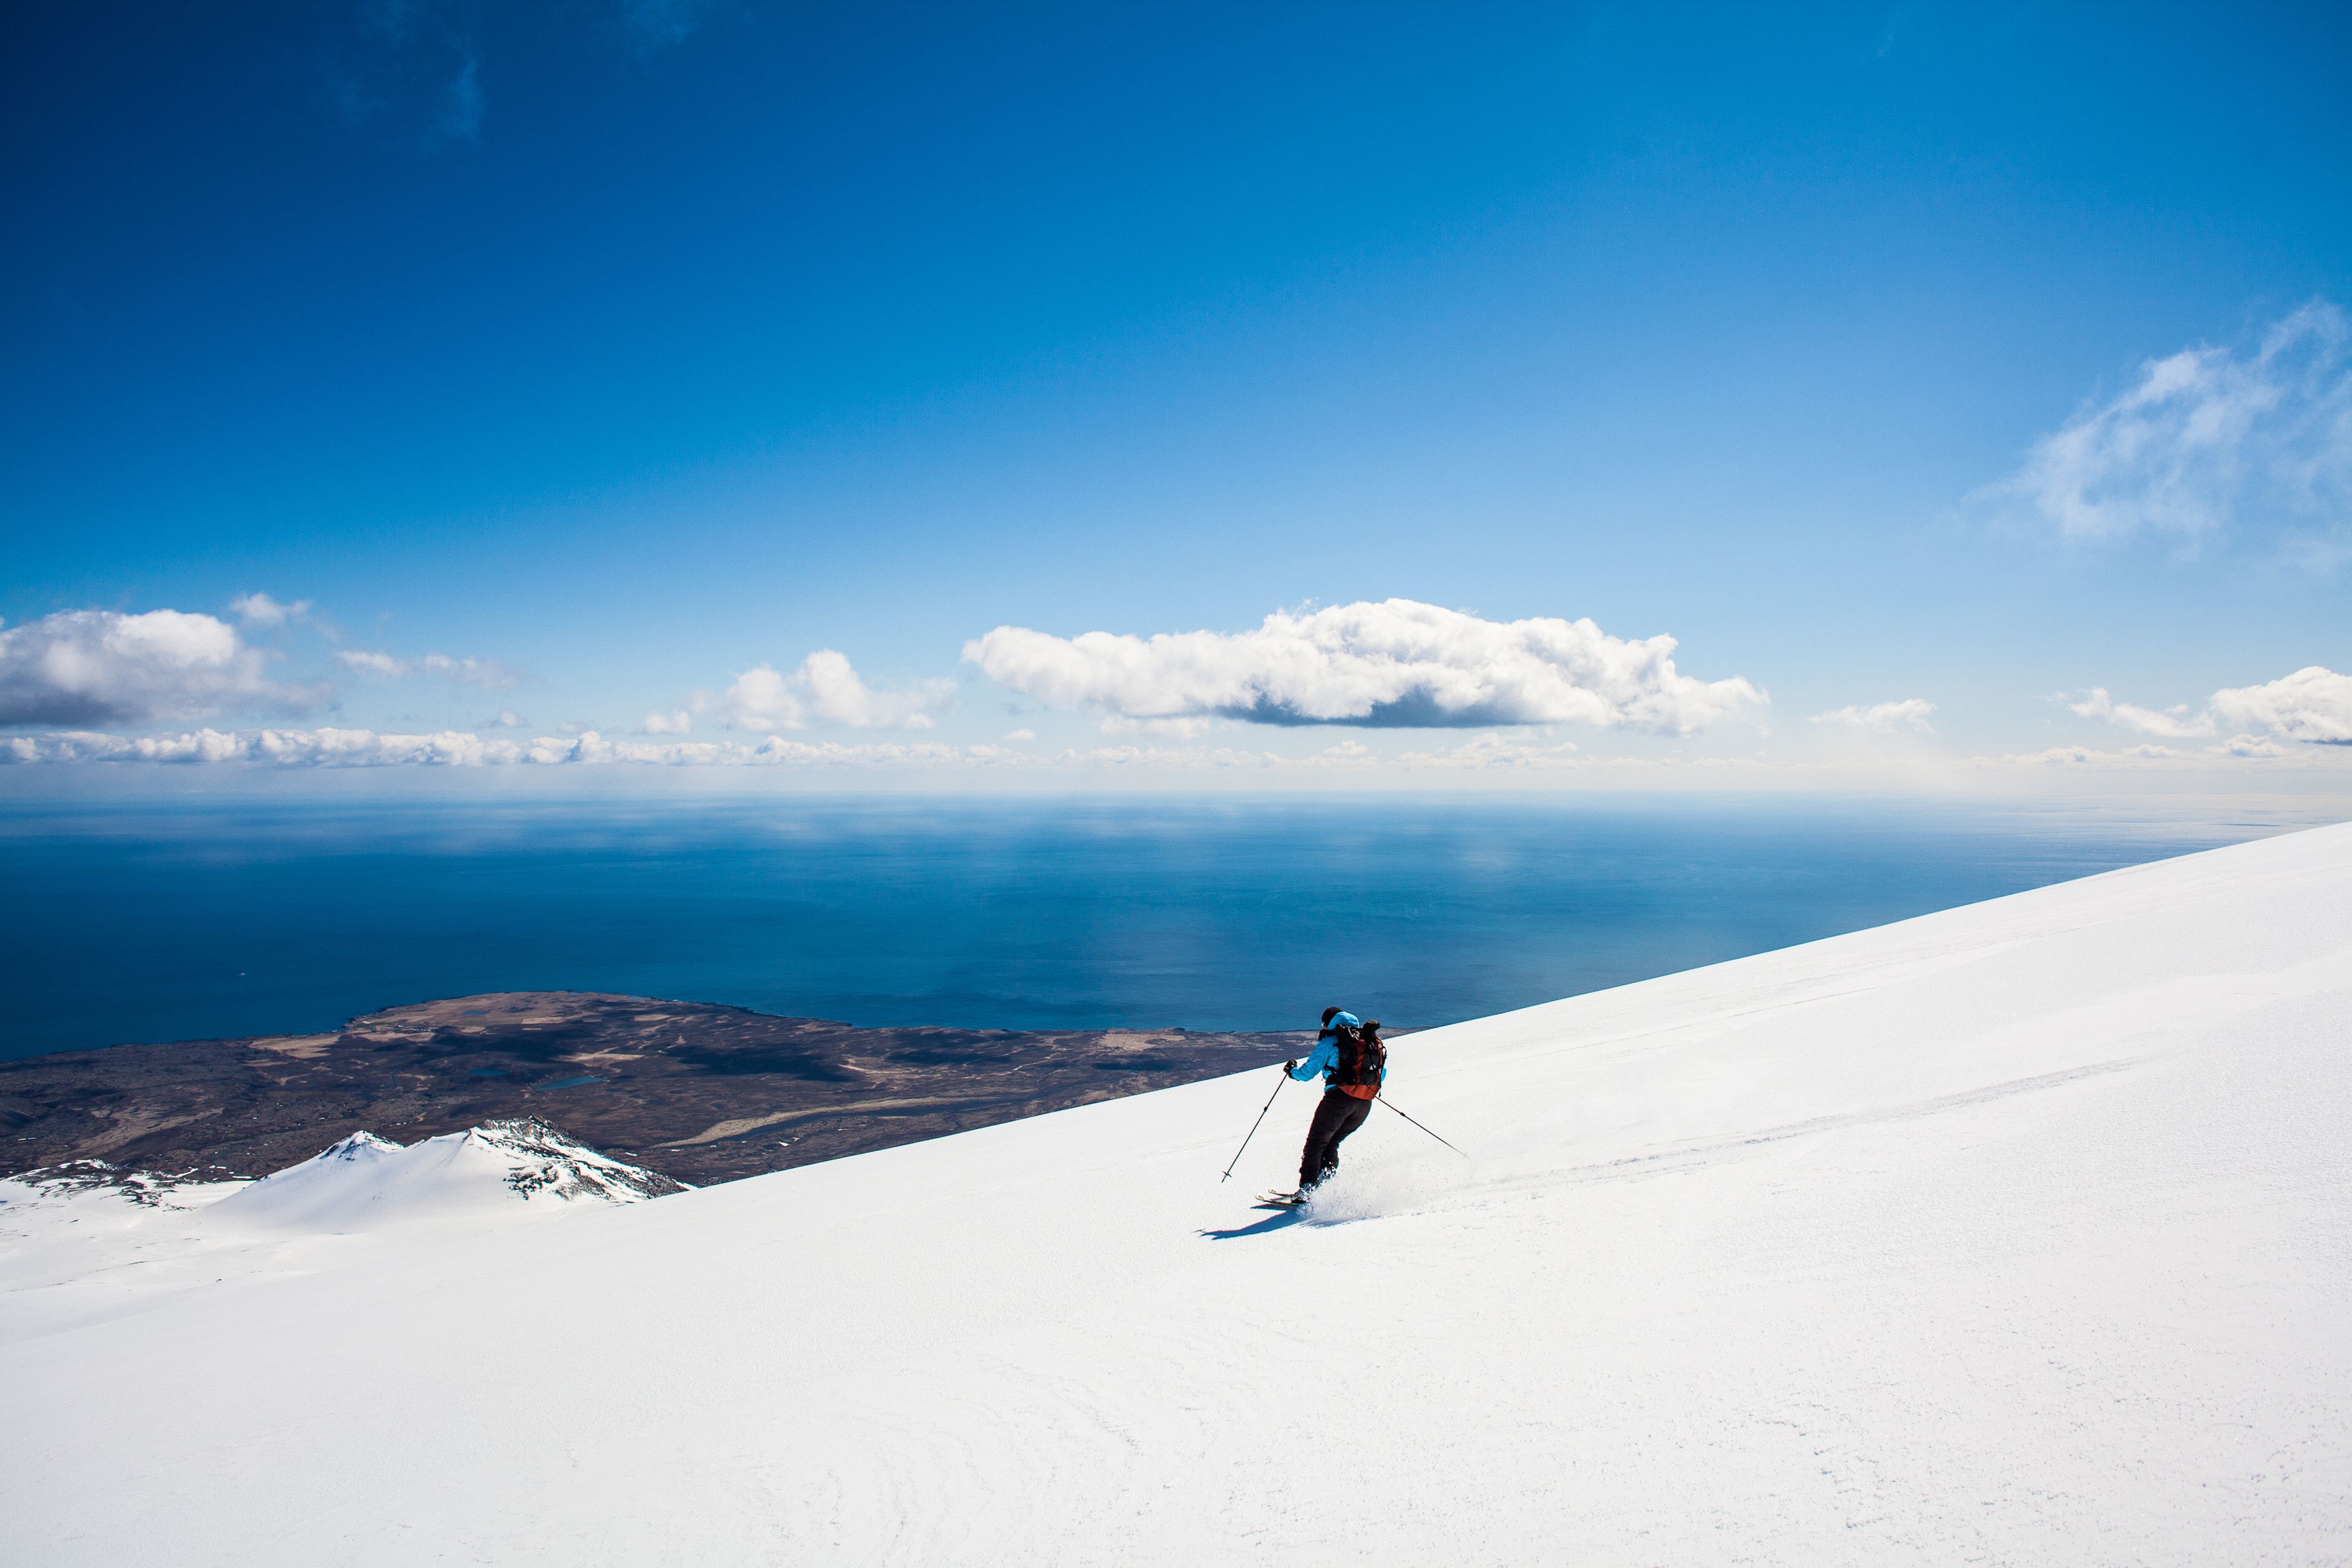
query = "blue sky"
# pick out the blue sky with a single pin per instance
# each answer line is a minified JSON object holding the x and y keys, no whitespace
{"x":1976,"y":372}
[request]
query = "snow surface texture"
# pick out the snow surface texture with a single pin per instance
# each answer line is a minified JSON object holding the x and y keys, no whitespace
{"x":2018,"y":1233}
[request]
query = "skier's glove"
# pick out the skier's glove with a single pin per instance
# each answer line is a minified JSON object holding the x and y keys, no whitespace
{"x":1291,"y":1066}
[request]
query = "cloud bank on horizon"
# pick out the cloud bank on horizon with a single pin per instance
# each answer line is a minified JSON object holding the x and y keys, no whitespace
{"x":335,"y":747}
{"x":1398,"y":664}
{"x":330,"y":747}
{"x":1392,"y":665}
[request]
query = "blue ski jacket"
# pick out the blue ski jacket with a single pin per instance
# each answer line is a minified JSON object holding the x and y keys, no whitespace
{"x":1324,"y":1058}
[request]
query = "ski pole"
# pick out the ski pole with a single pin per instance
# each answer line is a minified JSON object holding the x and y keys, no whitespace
{"x":1254,"y":1125}
{"x":1384,"y":1100}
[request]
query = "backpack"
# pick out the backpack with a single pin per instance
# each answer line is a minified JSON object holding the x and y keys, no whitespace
{"x":1363,"y":1060}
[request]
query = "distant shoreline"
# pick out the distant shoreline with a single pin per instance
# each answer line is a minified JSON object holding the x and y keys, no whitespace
{"x":701,"y":1093}
{"x":162,"y":926}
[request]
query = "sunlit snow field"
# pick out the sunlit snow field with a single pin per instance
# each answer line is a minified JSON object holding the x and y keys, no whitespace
{"x":2013,"y":1234}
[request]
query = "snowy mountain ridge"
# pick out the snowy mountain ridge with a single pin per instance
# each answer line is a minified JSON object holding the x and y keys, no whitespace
{"x":143,"y":1189}
{"x":89,"y":1240}
{"x":366,"y":1181}
{"x":548,"y":1163}
{"x":2013,"y":1234}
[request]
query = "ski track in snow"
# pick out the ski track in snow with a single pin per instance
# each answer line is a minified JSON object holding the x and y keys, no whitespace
{"x":2016,"y":1234}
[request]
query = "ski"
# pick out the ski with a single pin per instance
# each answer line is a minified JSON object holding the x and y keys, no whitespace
{"x":1279,"y":1200}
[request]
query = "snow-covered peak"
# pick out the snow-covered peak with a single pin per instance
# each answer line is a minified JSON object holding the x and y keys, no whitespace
{"x":90,"y":1239}
{"x":546,"y":1163}
{"x":498,"y":1171}
{"x":361,"y":1146}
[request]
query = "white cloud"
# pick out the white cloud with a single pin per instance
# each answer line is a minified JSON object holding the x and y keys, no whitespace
{"x":84,"y":666}
{"x":1910,"y":713}
{"x":488,"y":673}
{"x":2311,"y":705}
{"x":2314,"y":704}
{"x":1495,"y":757}
{"x":1164,"y":729}
{"x":2072,"y":756}
{"x":372,"y":663}
{"x":454,"y":749}
{"x":1398,"y":664}
{"x":1021,"y":735}
{"x":2210,"y":437}
{"x":2154,"y":759}
{"x":676,"y":722}
{"x":260,"y":610}
{"x":2174,"y":722}
{"x":1493,"y":751}
{"x":826,"y":690}
{"x":510,"y":719}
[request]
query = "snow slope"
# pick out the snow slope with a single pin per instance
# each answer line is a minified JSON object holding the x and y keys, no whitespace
{"x":2020,"y":1233}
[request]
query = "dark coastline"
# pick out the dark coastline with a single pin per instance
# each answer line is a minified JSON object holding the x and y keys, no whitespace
{"x":701,"y":1093}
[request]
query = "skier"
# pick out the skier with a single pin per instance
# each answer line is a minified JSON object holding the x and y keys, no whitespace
{"x":1352,"y":1060}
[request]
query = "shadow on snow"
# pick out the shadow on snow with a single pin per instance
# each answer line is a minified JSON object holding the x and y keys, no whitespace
{"x":1271,"y":1222}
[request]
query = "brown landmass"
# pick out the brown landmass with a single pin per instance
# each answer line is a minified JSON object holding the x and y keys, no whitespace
{"x":700,"y":1092}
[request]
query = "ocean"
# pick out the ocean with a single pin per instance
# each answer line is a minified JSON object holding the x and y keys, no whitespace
{"x":139,"y":922}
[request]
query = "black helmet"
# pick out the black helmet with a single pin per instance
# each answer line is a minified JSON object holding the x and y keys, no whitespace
{"x":1330,"y":1013}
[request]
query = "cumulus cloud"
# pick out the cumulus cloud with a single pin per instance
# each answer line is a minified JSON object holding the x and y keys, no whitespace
{"x":2313,"y":706}
{"x":92,"y":666}
{"x":1399,"y":664}
{"x":2208,"y":437}
{"x":826,"y":690}
{"x":1911,"y":713}
{"x":510,"y":719}
{"x":487,"y":672}
{"x":676,"y":722}
{"x":260,"y":610}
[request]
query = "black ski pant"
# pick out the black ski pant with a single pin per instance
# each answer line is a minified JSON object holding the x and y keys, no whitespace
{"x":1339,"y":1115}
